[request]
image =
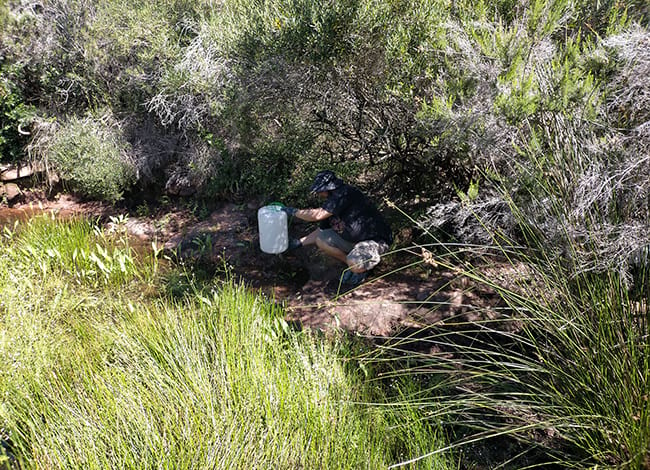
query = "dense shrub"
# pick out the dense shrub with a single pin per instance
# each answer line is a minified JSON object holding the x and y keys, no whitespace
{"x":563,"y":138}
{"x":250,"y":75}
{"x":580,"y":176}
{"x":82,"y":53}
{"x":92,"y":157}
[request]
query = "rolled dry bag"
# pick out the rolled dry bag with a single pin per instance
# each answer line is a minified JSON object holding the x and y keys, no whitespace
{"x":273,"y":228}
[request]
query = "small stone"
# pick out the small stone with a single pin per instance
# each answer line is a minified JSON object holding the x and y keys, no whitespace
{"x":10,"y":191}
{"x":179,"y":185}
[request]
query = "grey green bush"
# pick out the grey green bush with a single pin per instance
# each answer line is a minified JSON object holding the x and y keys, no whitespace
{"x":92,"y":157}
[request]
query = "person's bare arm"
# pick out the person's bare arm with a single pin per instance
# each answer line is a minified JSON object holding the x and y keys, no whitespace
{"x":313,"y":215}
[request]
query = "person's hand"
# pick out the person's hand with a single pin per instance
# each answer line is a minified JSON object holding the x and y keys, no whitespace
{"x":293,"y":244}
{"x":290,"y":211}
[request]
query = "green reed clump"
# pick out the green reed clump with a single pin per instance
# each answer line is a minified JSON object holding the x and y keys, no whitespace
{"x":94,"y":374}
{"x":557,"y":371}
{"x":44,"y":248}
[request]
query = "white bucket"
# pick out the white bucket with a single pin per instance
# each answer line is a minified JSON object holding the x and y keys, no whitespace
{"x":273,"y":229}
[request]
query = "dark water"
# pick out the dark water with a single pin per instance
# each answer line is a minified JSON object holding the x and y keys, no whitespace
{"x":10,"y":216}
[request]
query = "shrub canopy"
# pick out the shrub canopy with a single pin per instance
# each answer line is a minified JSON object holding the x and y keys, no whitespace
{"x":414,"y":100}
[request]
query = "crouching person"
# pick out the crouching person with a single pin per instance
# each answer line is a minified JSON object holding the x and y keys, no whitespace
{"x":351,"y":227}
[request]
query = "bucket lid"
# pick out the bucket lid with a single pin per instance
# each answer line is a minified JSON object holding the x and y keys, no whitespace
{"x":274,"y":206}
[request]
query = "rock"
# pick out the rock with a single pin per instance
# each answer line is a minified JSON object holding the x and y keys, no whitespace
{"x":179,"y":185}
{"x":15,"y":173}
{"x":10,"y":191}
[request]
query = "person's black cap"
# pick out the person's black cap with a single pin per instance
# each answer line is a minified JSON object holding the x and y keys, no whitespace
{"x":325,"y":181}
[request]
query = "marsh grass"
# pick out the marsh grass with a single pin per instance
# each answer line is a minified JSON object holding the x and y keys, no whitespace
{"x":95,"y":373}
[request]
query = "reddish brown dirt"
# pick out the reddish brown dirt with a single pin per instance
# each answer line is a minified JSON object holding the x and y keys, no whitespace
{"x":305,"y":282}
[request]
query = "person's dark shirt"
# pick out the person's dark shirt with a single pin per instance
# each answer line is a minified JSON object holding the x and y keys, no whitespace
{"x":354,"y":217}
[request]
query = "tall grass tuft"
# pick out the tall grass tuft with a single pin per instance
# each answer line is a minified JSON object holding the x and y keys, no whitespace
{"x":558,"y":371}
{"x":98,"y":375}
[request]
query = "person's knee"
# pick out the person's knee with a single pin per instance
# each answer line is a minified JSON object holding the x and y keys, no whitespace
{"x":324,"y":246}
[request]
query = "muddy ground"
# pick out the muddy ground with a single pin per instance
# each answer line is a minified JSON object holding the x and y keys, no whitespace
{"x":394,"y":298}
